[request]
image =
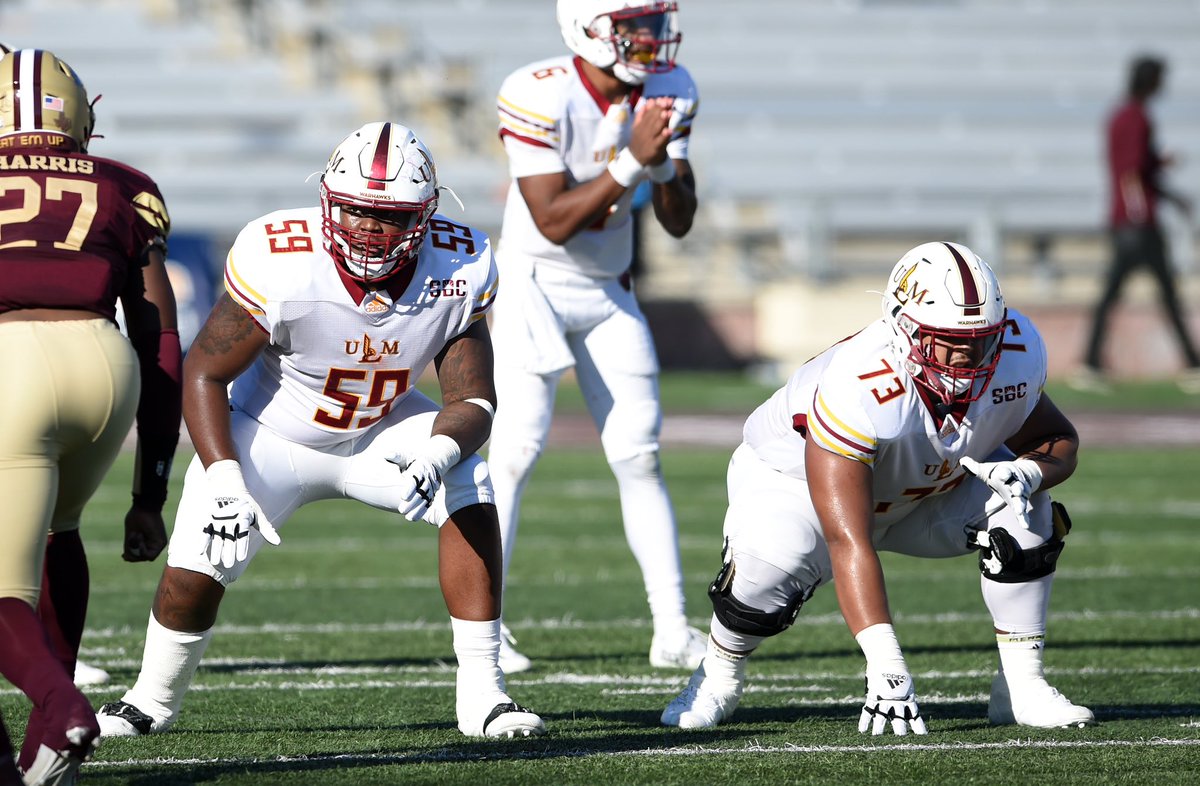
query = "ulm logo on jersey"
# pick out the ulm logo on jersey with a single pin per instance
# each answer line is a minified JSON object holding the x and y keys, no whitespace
{"x":939,"y":472}
{"x":370,"y":352}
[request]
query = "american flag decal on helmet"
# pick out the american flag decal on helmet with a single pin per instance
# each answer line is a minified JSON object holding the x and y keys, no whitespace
{"x":971,"y":299}
{"x":376,"y":179}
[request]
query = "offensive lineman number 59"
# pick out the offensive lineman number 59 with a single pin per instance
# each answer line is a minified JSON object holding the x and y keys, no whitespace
{"x":291,"y":236}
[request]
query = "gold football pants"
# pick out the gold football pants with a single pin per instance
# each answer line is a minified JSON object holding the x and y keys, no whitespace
{"x":68,"y":395}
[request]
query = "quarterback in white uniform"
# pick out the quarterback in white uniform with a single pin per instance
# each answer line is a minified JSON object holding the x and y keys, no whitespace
{"x":581,"y":132}
{"x":330,"y":315}
{"x":928,"y":434}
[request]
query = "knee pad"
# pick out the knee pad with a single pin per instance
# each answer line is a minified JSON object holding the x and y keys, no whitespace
{"x":515,"y":462}
{"x":644,"y":466}
{"x":1001,"y":558}
{"x":631,"y":430}
{"x":743,"y":618}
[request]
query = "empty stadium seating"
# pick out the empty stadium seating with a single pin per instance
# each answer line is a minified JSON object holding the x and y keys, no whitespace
{"x":821,"y":121}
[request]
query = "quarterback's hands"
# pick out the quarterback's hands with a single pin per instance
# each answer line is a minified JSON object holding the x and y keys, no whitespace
{"x":651,"y":130}
{"x":232,"y":515}
{"x":145,"y":535}
{"x":1012,"y":481}
{"x":421,"y":468}
{"x":891,"y":697}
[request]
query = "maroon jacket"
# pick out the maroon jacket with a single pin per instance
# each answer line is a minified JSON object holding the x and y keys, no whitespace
{"x":1131,"y":148}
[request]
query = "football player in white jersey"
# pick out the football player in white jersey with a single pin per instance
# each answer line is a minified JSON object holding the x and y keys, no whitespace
{"x":926,"y":433}
{"x":581,"y":132}
{"x":329,"y":317}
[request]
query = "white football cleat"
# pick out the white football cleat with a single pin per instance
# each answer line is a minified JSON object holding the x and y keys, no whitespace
{"x":86,"y":674}
{"x":505,"y":719}
{"x":122,"y":719}
{"x":511,"y":661}
{"x":703,"y":704}
{"x":1037,"y":705}
{"x":684,"y":649}
{"x":59,"y":768}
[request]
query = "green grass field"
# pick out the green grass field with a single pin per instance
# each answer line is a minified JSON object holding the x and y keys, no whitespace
{"x":332,"y":661}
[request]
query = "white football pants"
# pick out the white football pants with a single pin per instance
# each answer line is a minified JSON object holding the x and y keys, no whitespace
{"x":778,"y":548}
{"x":606,"y":336}
{"x":281,"y":476}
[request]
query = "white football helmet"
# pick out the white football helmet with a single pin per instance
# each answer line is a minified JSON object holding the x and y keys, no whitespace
{"x":634,"y":39}
{"x":945,"y":292}
{"x":40,"y":92}
{"x":382,"y":171}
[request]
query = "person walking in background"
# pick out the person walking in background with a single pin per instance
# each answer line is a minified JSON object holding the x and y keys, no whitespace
{"x":581,"y":132}
{"x":1135,"y":168}
{"x":301,"y":386}
{"x":79,"y":233}
{"x":926,"y":433}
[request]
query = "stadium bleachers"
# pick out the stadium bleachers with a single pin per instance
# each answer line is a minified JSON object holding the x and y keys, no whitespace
{"x":226,"y":133}
{"x":820,"y":122}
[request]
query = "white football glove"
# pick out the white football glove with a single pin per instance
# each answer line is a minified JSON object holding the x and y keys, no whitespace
{"x":421,"y":470}
{"x":232,"y":516}
{"x":890,"y":697}
{"x":1012,"y":481}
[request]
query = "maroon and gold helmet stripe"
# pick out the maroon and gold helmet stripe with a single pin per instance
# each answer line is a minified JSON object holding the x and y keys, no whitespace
{"x":377,"y":178}
{"x":970,"y":288}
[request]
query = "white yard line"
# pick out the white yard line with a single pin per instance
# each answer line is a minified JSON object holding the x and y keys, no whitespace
{"x":441,"y":675}
{"x":519,"y":751}
{"x":518,"y":625}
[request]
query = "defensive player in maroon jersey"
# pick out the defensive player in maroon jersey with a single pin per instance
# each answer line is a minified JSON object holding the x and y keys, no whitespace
{"x":77,"y":233}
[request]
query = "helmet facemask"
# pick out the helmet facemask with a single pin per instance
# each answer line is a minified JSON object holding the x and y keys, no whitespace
{"x":378,"y":194}
{"x":373,"y":255}
{"x":929,"y":349}
{"x":644,"y":40}
{"x":632,"y":40}
{"x":948,"y":316}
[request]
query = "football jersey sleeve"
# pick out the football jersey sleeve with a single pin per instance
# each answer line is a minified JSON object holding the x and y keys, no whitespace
{"x":487,"y":294}
{"x":837,"y":422}
{"x":244,"y":277}
{"x":530,"y":109}
{"x":1025,"y":349}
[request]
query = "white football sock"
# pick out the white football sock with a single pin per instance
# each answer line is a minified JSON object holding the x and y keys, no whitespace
{"x":1021,"y":656}
{"x":723,"y":665}
{"x":652,"y":537}
{"x":731,"y":641}
{"x":477,"y":647}
{"x":1018,"y":607}
{"x":169,"y":662}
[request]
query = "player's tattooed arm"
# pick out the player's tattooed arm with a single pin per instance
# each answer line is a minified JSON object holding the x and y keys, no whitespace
{"x":1048,"y":437}
{"x":464,"y":370}
{"x":227,"y":344}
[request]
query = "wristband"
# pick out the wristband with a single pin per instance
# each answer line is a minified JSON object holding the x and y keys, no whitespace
{"x":483,"y":404}
{"x":152,"y":469}
{"x":625,"y":169}
{"x":663,"y":172}
{"x":225,"y":479}
{"x":879,"y":644}
{"x":442,"y":452}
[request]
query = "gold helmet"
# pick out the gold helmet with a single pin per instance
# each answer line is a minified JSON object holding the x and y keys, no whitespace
{"x":41,"y":93}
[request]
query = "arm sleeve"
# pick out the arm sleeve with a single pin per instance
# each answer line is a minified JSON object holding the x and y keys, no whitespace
{"x":158,"y":417}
